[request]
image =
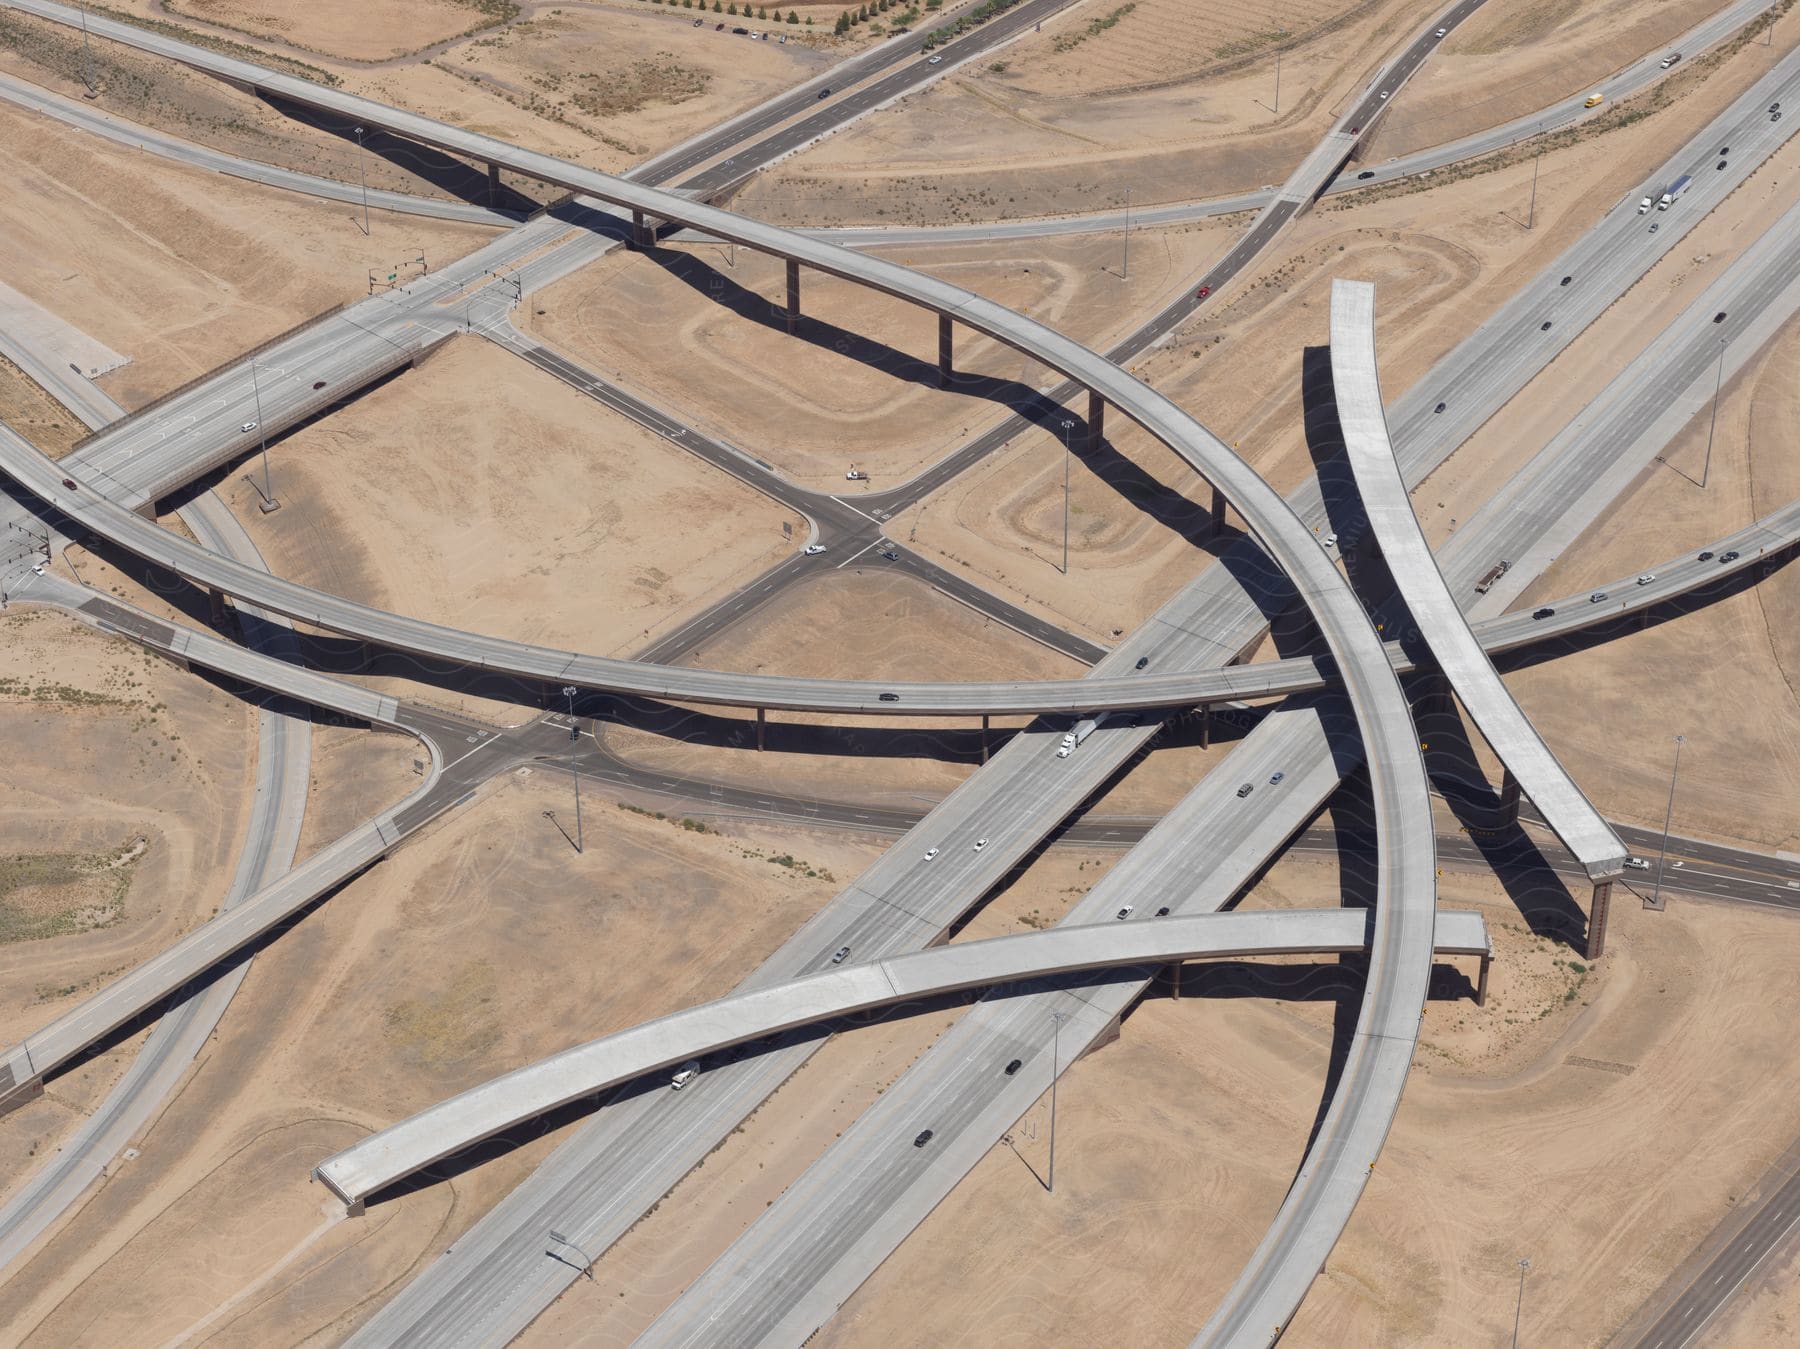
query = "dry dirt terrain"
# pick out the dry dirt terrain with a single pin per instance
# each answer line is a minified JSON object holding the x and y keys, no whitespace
{"x":121,"y":810}
{"x":604,"y":83}
{"x":480,"y":492}
{"x":1168,"y":102}
{"x":175,"y":268}
{"x":860,"y":623}
{"x":858,"y":383}
{"x":1612,"y":710}
{"x":1177,"y":1142}
{"x":1442,"y":259}
{"x":483,"y":944}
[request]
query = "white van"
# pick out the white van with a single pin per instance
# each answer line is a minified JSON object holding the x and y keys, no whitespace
{"x":688,"y":1072}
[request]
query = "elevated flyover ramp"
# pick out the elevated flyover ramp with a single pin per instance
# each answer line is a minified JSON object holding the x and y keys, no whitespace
{"x":390,"y":1156}
{"x":1441,"y":621}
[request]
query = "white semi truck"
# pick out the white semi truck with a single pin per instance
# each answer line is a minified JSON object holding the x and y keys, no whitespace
{"x":1676,"y":188}
{"x":1082,"y":730}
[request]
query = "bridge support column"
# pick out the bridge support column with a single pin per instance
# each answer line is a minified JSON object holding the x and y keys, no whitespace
{"x":762,"y":728}
{"x":1096,"y":420}
{"x":1175,"y":981}
{"x":946,"y":370}
{"x":1482,"y":981}
{"x":793,"y":304}
{"x":493,"y":187}
{"x":1509,"y":798}
{"x":20,"y":1092}
{"x":984,"y":737}
{"x":1206,"y":726}
{"x":640,"y":233}
{"x":215,"y":606}
{"x":1597,"y":911}
{"x":1218,"y":513}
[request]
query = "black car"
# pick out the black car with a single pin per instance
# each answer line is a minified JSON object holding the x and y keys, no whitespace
{"x":741,"y":32}
{"x":1706,"y":556}
{"x":923,"y":1138}
{"x":318,"y":384}
{"x":1721,"y":163}
{"x":1567,"y":279}
{"x":1544,"y":327}
{"x":1439,"y":408}
{"x":1545,"y":612}
{"x":1163,"y":912}
{"x":1366,"y":173}
{"x":890,"y":697}
{"x":1724,"y":150}
{"x":1729,"y":557}
{"x":825,"y":92}
{"x":1142,"y":662}
{"x":1014,"y":1066}
{"x":1719,"y":317}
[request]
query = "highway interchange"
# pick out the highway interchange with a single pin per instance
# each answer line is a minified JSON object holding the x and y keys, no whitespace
{"x":963,"y":887}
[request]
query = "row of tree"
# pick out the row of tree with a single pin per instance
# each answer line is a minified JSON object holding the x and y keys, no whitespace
{"x":732,"y":9}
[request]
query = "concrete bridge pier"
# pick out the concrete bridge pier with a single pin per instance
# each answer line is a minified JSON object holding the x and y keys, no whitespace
{"x":1096,"y":420}
{"x":1206,"y":726}
{"x":984,"y":737}
{"x":1482,"y":980}
{"x":945,"y":370}
{"x":762,"y":728}
{"x":215,"y":607}
{"x":493,"y":185}
{"x":1218,"y":514}
{"x":1509,"y":798}
{"x":1598,"y":907}
{"x":793,"y":298}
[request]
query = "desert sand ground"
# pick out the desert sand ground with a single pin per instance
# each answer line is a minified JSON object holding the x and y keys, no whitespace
{"x":1163,"y":103}
{"x":858,"y":383}
{"x":1442,"y":261}
{"x":34,"y":414}
{"x":483,"y":944}
{"x":480,"y":492}
{"x":121,"y":811}
{"x":175,"y":268}
{"x":1542,"y":1126}
{"x":856,"y":623}
{"x":606,"y":84}
{"x":1612,"y":710}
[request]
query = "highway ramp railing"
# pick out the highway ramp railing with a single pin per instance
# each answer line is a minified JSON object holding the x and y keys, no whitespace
{"x":401,"y":1150}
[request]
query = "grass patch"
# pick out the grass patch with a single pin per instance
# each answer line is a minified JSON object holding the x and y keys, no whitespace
{"x":1095,"y":27}
{"x":451,"y":1026}
{"x":55,"y":894}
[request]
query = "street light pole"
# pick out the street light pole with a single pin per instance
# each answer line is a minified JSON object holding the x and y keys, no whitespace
{"x":363,"y":175}
{"x":1068,"y":454}
{"x":1668,"y":816}
{"x":1524,"y":1269}
{"x":587,"y":1265}
{"x":574,"y":761}
{"x":1125,"y":265}
{"x":1055,"y":1071}
{"x":87,"y":55}
{"x":1531,"y":214}
{"x":1718,"y":379}
{"x":268,"y":491}
{"x":1278,"y":81}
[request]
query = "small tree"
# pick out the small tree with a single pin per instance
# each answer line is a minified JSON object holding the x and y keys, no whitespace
{"x":809,"y":18}
{"x":762,"y":12}
{"x":731,"y":9}
{"x":792,"y":17}
{"x":718,"y":7}
{"x":864,"y":13}
{"x":843,"y":23}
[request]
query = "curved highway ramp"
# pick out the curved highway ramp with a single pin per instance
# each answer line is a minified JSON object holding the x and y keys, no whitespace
{"x":403,"y":1149}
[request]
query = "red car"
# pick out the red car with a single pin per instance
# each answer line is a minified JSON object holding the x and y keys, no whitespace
{"x":1203,"y":292}
{"x":70,"y":484}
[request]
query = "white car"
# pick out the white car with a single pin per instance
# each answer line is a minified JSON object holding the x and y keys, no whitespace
{"x":1646,"y":578}
{"x":37,"y":568}
{"x":980,"y":843}
{"x":1331,"y":540}
{"x":247,"y":428}
{"x":1125,"y":912}
{"x":1637,"y":863}
{"x":1384,"y":94}
{"x":685,"y":1075}
{"x":932,"y":853}
{"x":934,"y":61}
{"x":1442,"y":32}
{"x":814,"y":549}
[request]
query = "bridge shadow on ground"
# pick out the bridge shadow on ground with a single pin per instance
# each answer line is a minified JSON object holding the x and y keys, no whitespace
{"x":1134,"y":484}
{"x":434,"y":167}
